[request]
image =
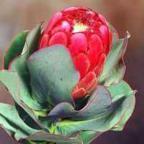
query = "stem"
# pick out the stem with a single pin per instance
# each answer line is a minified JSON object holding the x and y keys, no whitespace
{"x":30,"y":142}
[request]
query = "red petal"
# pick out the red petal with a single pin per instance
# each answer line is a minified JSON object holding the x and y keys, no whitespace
{"x":92,"y":86}
{"x":85,"y":86}
{"x":58,"y":38}
{"x":78,"y":93}
{"x":78,"y":43}
{"x":99,"y":67}
{"x":44,"y":41}
{"x":95,"y":48}
{"x":105,"y":35}
{"x":53,"y":21}
{"x":82,"y":64}
{"x":87,"y":81}
{"x":65,"y":26}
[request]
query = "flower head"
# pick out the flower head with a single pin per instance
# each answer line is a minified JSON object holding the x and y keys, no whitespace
{"x":87,"y":36}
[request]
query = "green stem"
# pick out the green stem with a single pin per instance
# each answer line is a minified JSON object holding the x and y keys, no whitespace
{"x":30,"y":142}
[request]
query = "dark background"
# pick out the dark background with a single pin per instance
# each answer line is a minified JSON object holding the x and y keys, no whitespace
{"x":17,"y":15}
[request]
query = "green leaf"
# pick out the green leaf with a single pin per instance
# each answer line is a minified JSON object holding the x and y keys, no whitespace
{"x":15,"y":48}
{"x":26,"y":117}
{"x":53,"y":75}
{"x":114,"y":117}
{"x":30,"y":46}
{"x":17,"y":89}
{"x":111,"y":67}
{"x":116,"y":75}
{"x":44,"y":136}
{"x":88,"y":136}
{"x":20,"y":93}
{"x":117,"y":92}
{"x":32,"y":41}
{"x":31,"y":142}
{"x":97,"y":105}
{"x":115,"y":36}
{"x":14,"y":125}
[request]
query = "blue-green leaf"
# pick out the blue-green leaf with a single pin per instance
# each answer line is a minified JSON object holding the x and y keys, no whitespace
{"x":113,"y":68}
{"x":47,"y":137}
{"x":98,"y":104}
{"x":19,"y":64}
{"x":88,"y":136}
{"x":17,"y":89}
{"x":117,"y":92}
{"x":32,"y":41}
{"x":53,"y":75}
{"x":116,"y":75}
{"x":20,"y":94}
{"x":12,"y":123}
{"x":115,"y":36}
{"x":15,"y":48}
{"x":114,"y":117}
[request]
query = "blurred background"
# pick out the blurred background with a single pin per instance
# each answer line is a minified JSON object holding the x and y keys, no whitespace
{"x":16,"y":15}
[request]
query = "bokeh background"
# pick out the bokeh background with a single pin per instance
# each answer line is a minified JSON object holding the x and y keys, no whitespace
{"x":17,"y":15}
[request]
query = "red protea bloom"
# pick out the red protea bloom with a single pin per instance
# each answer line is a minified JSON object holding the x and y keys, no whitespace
{"x":87,"y":36}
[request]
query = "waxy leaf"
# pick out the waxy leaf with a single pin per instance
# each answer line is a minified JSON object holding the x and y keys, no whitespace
{"x":113,"y":60}
{"x":53,"y":75}
{"x":122,"y":99}
{"x":20,"y":94}
{"x":19,"y":64}
{"x":117,"y":91}
{"x":17,"y":89}
{"x":44,"y":136}
{"x":115,"y":35}
{"x":97,"y":105}
{"x":12,"y":123}
{"x":15,"y":48}
{"x":32,"y":40}
{"x":88,"y":136}
{"x":116,"y":74}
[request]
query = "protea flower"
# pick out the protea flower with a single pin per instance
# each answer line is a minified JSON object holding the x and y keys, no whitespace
{"x":88,"y":38}
{"x":66,"y":78}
